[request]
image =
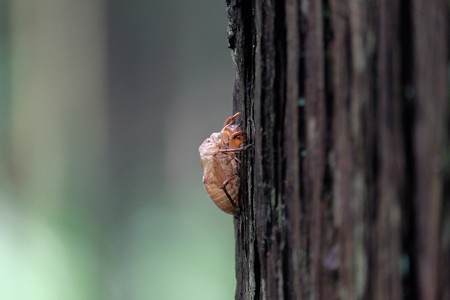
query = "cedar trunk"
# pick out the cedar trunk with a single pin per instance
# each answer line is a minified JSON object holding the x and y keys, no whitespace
{"x":345,"y":194}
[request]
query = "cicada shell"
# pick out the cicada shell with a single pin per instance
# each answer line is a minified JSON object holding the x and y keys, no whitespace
{"x":218,"y":156}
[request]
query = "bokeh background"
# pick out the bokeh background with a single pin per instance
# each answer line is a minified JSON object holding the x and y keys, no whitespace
{"x":103,"y":105}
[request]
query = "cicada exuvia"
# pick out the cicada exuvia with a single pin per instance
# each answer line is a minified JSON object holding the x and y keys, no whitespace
{"x":218,"y":156}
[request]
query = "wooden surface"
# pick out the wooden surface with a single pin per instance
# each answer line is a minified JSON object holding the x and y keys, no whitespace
{"x":345,"y":194}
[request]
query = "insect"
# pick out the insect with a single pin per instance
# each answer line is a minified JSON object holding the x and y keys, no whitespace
{"x":218,"y":156}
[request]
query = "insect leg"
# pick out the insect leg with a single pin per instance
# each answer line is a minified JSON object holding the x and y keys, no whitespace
{"x":237,"y":149}
{"x":224,"y":188}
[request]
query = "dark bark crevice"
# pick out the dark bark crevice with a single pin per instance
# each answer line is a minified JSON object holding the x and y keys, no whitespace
{"x":409,"y":262}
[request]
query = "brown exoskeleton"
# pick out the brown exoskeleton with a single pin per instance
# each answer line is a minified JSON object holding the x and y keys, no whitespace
{"x":218,"y":156}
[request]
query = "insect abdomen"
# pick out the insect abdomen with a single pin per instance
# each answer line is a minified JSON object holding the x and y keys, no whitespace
{"x":221,"y":199}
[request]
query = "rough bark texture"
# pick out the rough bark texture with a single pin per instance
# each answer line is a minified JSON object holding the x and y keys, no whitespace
{"x":345,"y":194}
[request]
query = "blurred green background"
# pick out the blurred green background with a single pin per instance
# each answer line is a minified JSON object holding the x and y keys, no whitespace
{"x":103,"y":105}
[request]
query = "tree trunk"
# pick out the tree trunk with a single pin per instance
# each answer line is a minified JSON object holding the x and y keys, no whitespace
{"x":345,"y":194}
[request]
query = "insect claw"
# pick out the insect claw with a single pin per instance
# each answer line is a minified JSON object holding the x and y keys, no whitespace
{"x":237,"y":213}
{"x":247,"y":147}
{"x":230,"y":119}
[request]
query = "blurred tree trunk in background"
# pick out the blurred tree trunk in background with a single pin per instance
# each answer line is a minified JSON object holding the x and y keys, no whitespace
{"x":345,"y":194}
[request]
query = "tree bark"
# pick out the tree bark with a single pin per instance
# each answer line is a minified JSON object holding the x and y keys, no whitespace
{"x":345,"y":194}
